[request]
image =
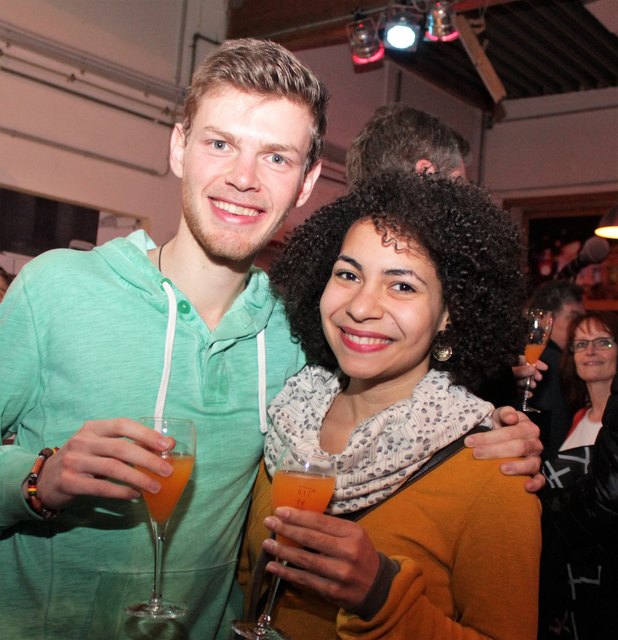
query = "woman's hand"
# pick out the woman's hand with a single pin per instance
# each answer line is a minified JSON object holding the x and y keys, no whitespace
{"x":339,"y":561}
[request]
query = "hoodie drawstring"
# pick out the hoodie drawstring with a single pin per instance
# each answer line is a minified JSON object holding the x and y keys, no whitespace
{"x":167,"y":360}
{"x":169,"y":348}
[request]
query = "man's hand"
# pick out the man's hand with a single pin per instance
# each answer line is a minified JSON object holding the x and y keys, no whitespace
{"x":340,"y":562}
{"x":514,"y":436}
{"x":98,"y":457}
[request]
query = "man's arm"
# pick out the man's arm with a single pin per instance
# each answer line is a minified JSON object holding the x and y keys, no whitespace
{"x":514,"y":436}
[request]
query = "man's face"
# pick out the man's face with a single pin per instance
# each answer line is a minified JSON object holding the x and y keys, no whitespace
{"x":242,"y":169}
{"x":562,"y":320}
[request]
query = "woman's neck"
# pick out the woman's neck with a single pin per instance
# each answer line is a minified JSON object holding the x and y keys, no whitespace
{"x":361,"y":399}
{"x":599,"y":393}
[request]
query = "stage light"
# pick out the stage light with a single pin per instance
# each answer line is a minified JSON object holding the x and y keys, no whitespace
{"x":401,"y":31}
{"x":440,"y":23}
{"x":364,"y":42}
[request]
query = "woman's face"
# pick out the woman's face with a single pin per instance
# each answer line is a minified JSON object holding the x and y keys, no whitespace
{"x":382,"y":308}
{"x":593,"y":364}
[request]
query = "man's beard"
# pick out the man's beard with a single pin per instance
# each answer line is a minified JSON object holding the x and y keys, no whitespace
{"x":236,"y":248}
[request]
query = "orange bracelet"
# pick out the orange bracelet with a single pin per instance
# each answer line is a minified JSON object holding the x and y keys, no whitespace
{"x":33,"y":477}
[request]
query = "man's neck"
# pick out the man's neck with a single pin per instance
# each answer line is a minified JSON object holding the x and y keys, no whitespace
{"x":210,"y":286}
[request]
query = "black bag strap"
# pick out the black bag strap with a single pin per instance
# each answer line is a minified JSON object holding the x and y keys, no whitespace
{"x":264,"y":558}
{"x":436,"y":459}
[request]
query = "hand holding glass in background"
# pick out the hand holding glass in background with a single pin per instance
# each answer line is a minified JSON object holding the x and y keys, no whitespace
{"x":538,"y":329}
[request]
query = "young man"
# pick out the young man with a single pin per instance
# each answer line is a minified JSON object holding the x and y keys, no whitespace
{"x":92,"y":341}
{"x":83,"y":342}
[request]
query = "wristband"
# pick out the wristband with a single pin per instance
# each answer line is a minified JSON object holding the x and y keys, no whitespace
{"x":33,"y":478}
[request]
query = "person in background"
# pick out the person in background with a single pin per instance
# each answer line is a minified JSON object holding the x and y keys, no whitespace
{"x":5,"y":280}
{"x":400,"y":137}
{"x":94,"y":354}
{"x":391,"y":274}
{"x":565,"y":300}
{"x":579,"y":577}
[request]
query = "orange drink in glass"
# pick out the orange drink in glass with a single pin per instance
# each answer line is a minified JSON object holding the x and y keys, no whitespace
{"x":161,"y":505}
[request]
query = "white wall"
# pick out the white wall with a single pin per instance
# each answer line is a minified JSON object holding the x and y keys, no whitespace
{"x":555,"y":145}
{"x":96,"y":152}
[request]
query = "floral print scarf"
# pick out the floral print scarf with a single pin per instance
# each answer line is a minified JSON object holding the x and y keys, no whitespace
{"x":383,"y":450}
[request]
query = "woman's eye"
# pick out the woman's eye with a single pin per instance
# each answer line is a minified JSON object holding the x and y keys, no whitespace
{"x":404,"y":287}
{"x":346,"y":275}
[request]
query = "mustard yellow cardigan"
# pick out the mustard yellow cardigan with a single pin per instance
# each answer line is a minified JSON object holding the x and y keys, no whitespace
{"x":468,"y":541}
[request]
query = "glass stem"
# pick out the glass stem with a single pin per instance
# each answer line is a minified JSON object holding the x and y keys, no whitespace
{"x":524,"y":406}
{"x":158,"y":534}
{"x":264,"y":619}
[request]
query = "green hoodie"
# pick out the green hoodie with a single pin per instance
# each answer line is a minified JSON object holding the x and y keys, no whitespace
{"x":82,"y":337}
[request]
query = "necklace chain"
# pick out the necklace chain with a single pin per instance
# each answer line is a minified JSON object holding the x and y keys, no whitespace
{"x":160,"y":252}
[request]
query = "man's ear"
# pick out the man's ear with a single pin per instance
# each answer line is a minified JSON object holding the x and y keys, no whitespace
{"x":177,"y":150}
{"x":308,"y":184}
{"x":425,"y":166}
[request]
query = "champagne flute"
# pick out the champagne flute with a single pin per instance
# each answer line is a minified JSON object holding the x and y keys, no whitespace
{"x":161,"y":506}
{"x":303,"y":479}
{"x":538,"y":329}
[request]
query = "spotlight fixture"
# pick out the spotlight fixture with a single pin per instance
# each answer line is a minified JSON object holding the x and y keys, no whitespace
{"x":364,"y":42}
{"x":608,"y":226}
{"x":400,"y":30}
{"x":440,"y":26}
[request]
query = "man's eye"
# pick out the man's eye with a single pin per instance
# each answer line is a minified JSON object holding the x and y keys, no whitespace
{"x":277,"y":159}
{"x":219,"y":145}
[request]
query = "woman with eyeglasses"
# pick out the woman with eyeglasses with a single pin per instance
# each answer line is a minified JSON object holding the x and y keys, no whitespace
{"x":579,"y":564}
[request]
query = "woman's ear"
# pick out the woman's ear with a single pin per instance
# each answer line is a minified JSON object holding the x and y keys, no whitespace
{"x":445,"y":322}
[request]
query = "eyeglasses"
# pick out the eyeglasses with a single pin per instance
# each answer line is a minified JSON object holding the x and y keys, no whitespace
{"x":600,"y":344}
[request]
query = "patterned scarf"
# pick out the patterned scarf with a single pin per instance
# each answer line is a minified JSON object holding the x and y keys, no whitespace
{"x":384,"y":449}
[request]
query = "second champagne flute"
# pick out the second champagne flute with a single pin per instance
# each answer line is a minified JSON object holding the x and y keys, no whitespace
{"x":304,"y":479}
{"x":538,"y":329}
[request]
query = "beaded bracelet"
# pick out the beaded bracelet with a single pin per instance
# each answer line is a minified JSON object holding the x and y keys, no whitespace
{"x":33,"y":477}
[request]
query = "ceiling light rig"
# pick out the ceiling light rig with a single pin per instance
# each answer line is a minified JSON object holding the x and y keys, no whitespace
{"x":440,"y":26}
{"x":365,"y":44}
{"x":399,"y":26}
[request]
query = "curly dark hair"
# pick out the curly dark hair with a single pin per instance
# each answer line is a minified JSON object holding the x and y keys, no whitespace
{"x":575,"y":389}
{"x":475,"y":247}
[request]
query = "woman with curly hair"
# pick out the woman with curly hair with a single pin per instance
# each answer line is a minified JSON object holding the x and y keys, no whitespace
{"x":417,"y":286}
{"x":579,"y":565}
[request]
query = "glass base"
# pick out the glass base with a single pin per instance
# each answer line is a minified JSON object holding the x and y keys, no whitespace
{"x":529,"y":409}
{"x":254,"y":631}
{"x":156,"y":610}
